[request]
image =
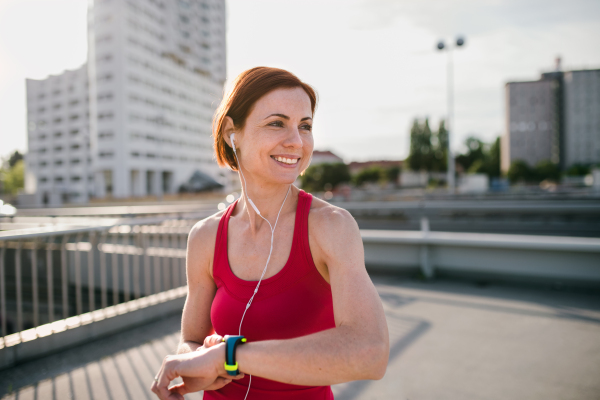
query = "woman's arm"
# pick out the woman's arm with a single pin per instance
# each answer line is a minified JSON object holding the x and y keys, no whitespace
{"x":195,"y":320}
{"x":358,"y":347}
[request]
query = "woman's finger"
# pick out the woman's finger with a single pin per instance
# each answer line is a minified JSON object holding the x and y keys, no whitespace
{"x":163,"y":379}
{"x":212,"y":340}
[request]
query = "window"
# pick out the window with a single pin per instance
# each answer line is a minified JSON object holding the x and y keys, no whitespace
{"x":74,"y":131}
{"x":41,"y":109}
{"x":73,"y":103}
{"x":58,"y":179}
{"x":57,"y":134}
{"x":75,"y":147}
{"x":43,"y":164}
{"x":75,"y":178}
{"x":58,"y":162}
{"x":56,"y":92}
{"x":57,"y":120}
{"x":58,"y":148}
{"x":56,"y":106}
{"x":75,"y":161}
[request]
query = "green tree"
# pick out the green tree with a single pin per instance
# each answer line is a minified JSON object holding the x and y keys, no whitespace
{"x":318,"y":176}
{"x":371,"y":174}
{"x":14,"y":158}
{"x":578,"y":170}
{"x":520,"y":171}
{"x":392,"y":173}
{"x":13,"y":179}
{"x":428,"y":150}
{"x":440,"y":148}
{"x":546,"y":169}
{"x":481,"y":157}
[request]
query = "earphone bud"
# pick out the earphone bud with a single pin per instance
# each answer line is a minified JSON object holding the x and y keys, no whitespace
{"x":240,"y":168}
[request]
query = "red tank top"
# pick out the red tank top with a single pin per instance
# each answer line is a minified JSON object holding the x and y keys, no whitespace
{"x":295,"y":302}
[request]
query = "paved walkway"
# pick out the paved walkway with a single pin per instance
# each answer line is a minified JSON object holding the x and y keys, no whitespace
{"x":449,"y":340}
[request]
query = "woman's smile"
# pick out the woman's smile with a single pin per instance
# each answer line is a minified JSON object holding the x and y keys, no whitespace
{"x":287,"y":161}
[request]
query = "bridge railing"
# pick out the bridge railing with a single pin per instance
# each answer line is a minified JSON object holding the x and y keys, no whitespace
{"x":48,"y":277}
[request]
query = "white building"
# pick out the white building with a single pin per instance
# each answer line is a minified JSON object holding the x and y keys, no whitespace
{"x":582,"y":117}
{"x":155,"y":70}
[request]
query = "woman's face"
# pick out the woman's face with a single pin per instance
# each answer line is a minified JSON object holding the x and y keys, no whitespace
{"x":276,"y":143}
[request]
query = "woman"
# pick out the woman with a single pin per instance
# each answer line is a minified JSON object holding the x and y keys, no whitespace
{"x":279,"y":267}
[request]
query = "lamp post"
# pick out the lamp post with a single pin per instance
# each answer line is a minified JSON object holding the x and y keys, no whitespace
{"x":460,"y":41}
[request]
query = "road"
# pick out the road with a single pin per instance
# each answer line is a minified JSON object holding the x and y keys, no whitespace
{"x":449,"y":340}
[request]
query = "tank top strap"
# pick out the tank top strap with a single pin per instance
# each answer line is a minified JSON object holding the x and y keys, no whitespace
{"x":304,"y":202}
{"x":221,"y":242}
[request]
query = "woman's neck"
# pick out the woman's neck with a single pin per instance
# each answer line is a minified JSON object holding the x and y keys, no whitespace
{"x":269,"y":199}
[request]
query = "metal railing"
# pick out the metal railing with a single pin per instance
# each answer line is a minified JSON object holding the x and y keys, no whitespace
{"x":58,"y":275}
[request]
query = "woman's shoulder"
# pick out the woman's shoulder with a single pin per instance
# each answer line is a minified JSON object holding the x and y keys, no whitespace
{"x":326,"y":219}
{"x":202,"y":237}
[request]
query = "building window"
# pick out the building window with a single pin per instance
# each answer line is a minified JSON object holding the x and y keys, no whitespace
{"x":43,"y":179}
{"x":57,"y":120}
{"x":74,"y":146}
{"x":75,"y":161}
{"x":106,"y":154}
{"x":74,"y":131}
{"x":58,"y":179}
{"x":58,"y":162}
{"x":75,"y":178}
{"x":73,"y":103}
{"x":57,"y":134}
{"x":58,"y":148}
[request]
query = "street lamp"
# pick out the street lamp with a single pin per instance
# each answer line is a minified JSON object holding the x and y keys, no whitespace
{"x":460,"y":41}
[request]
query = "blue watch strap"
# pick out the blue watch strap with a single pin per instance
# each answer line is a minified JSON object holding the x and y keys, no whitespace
{"x":231,"y":343}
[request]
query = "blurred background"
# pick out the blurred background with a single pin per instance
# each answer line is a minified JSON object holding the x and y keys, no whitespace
{"x":464,"y":137}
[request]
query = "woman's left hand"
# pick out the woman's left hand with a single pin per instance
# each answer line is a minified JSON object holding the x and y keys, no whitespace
{"x":201,"y":370}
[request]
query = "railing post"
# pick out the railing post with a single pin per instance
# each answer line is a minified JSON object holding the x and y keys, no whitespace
{"x":126,"y":266}
{"x":78,"y":301}
{"x":91,"y":288}
{"x":183,"y":238}
{"x":2,"y":288}
{"x":115,"y":269}
{"x":34,"y":284}
{"x":174,"y":259}
{"x":145,"y":244}
{"x":103,"y":289}
{"x":156,"y":242}
{"x":18,"y":284}
{"x":49,"y":280}
{"x":63,"y":270}
{"x":136,"y":261}
{"x":165,"y":259}
{"x":426,"y":266}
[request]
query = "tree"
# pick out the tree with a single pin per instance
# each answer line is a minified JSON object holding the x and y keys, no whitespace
{"x":392,"y":173}
{"x":546,"y":169}
{"x":14,"y":158}
{"x":578,"y":170}
{"x":480,"y":157}
{"x":13,"y":179}
{"x":520,"y":171}
{"x":428,"y":150}
{"x":371,"y":174}
{"x":318,"y":176}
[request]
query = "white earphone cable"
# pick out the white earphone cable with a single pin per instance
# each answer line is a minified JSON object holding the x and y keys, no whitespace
{"x":270,"y":250}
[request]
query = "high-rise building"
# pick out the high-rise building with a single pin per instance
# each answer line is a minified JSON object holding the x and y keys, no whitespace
{"x":582,"y":117}
{"x":534,"y":127}
{"x":142,"y":105}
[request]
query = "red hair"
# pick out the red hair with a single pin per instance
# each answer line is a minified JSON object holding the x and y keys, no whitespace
{"x":247,"y":88}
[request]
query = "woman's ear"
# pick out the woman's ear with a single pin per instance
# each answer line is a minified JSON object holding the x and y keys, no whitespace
{"x":228,"y":129}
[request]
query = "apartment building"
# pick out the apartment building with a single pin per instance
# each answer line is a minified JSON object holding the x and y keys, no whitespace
{"x":145,"y":101}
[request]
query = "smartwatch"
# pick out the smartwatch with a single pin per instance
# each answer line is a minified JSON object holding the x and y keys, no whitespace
{"x":231,"y":343}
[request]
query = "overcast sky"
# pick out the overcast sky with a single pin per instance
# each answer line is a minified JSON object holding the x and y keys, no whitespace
{"x":373,"y":62}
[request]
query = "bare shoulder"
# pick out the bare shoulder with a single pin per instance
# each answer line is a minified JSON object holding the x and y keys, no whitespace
{"x":201,"y":244}
{"x":330,"y":225}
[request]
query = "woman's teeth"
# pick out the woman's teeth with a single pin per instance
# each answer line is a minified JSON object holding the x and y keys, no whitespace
{"x":284,"y":160}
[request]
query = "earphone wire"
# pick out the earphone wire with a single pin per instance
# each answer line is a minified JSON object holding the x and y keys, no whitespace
{"x":270,"y":250}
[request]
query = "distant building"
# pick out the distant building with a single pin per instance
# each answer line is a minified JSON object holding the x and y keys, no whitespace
{"x":534,"y":128}
{"x":357,"y":166}
{"x":325,"y":157}
{"x":136,"y":119}
{"x":582,"y":117}
{"x":556,"y":118}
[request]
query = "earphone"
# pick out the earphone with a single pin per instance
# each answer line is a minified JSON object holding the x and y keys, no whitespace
{"x":272,"y":235}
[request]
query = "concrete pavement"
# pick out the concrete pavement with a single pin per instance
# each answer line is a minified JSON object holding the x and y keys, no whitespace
{"x":449,"y":340}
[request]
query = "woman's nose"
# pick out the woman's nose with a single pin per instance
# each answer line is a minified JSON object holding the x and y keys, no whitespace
{"x":293,"y":139}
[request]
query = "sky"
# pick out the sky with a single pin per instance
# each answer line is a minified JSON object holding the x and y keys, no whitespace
{"x":374,"y":63}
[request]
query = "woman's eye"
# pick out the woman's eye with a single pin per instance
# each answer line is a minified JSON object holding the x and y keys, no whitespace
{"x":276,"y":123}
{"x":307,"y":127}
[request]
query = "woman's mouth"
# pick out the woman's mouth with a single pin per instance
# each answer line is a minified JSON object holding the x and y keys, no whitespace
{"x":285,"y":160}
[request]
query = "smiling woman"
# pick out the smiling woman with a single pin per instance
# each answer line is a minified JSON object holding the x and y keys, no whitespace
{"x":308,"y":312}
